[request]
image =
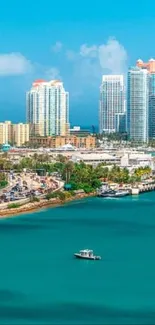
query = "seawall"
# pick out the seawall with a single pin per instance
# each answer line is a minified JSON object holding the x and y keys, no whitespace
{"x":34,"y":206}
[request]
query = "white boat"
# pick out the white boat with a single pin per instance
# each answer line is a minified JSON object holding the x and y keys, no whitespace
{"x":87,"y":254}
{"x":114,"y":194}
{"x":121,"y":193}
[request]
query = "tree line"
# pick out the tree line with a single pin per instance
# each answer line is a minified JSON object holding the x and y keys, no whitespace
{"x":78,"y":175}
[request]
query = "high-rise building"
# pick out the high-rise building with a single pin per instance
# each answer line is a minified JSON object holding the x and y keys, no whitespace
{"x":48,"y":108}
{"x":120,"y":119}
{"x":15,"y":134}
{"x":150,"y":65}
{"x":137,"y":104}
{"x":112,"y":103}
{"x":152,"y":106}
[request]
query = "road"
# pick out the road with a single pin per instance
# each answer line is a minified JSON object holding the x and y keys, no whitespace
{"x":26,"y":200}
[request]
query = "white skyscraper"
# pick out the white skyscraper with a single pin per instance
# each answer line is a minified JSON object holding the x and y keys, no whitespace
{"x":138,"y":104}
{"x":48,"y":108}
{"x":112,"y":104}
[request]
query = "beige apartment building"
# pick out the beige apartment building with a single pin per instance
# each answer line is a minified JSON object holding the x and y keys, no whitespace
{"x":5,"y":132}
{"x":20,"y":134}
{"x":16,"y":134}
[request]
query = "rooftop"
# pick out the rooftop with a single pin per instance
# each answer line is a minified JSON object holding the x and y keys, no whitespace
{"x":67,"y":147}
{"x":94,"y":156}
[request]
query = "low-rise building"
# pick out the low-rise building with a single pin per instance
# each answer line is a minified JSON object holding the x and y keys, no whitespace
{"x":76,"y":130}
{"x":135,"y":160}
{"x":95,"y":158}
{"x":88,"y":142}
{"x":129,"y":160}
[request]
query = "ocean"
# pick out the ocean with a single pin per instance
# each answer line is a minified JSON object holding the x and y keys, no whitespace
{"x":42,"y":283}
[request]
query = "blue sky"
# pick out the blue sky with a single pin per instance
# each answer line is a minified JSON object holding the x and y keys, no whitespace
{"x":73,"y":40}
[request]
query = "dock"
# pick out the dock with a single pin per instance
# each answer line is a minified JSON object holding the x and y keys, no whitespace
{"x":141,"y":188}
{"x":133,"y":189}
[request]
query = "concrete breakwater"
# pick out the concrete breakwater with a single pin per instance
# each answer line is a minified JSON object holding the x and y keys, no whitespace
{"x":135,"y":189}
{"x":141,"y":188}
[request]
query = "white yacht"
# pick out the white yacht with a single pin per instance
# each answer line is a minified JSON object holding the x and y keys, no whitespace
{"x":87,"y":254}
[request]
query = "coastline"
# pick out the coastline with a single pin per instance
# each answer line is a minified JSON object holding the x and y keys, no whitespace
{"x":36,"y":206}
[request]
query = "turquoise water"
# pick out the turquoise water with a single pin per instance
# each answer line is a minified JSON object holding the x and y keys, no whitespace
{"x":41,"y":282}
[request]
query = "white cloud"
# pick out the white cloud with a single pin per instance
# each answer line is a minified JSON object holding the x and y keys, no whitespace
{"x":91,"y":62}
{"x":12,"y":64}
{"x":53,"y":73}
{"x":113,"y":56}
{"x":57,"y":47}
{"x":87,"y":65}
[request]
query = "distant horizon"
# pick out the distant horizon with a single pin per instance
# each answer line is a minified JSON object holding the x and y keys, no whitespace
{"x":82,"y":126}
{"x":9,"y":115}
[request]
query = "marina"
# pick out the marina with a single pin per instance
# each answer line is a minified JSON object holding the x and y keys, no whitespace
{"x":107,"y":191}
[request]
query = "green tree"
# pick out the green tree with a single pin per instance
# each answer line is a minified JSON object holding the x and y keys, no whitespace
{"x":61,"y":158}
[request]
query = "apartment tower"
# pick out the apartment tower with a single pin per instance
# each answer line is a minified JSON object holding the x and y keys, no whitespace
{"x":48,"y":108}
{"x":112,"y":104}
{"x":138,"y":104}
{"x":150,"y":66}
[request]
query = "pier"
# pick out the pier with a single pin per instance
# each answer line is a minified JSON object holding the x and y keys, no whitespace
{"x":136,"y":189}
{"x":141,"y":188}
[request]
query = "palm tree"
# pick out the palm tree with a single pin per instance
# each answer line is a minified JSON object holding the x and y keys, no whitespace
{"x":61,"y":158}
{"x":68,"y":169}
{"x":35,"y":156}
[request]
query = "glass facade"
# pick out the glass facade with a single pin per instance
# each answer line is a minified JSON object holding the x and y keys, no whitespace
{"x":48,"y":108}
{"x":137,"y":104}
{"x":152,"y":106}
{"x":120,"y":120}
{"x":111,"y":102}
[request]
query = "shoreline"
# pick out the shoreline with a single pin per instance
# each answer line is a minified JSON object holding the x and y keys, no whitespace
{"x":36,"y":206}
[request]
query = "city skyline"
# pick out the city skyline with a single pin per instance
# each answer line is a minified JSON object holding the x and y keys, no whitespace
{"x":148,"y":65}
{"x":52,"y":117}
{"x":49,"y":44}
